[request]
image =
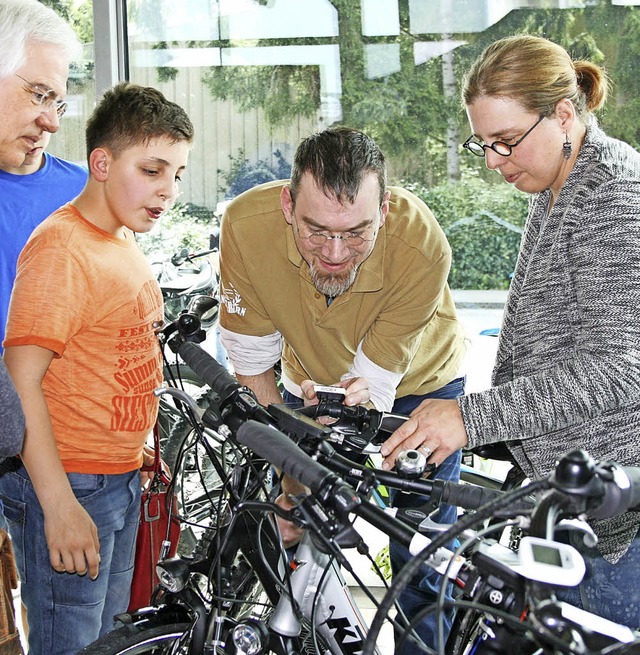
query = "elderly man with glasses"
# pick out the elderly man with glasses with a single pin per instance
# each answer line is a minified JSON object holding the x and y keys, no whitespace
{"x":36,"y":46}
{"x":342,"y":280}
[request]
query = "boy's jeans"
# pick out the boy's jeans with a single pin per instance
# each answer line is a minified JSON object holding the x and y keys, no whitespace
{"x":67,"y":611}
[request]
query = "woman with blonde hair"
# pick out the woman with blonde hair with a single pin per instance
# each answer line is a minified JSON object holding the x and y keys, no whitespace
{"x":567,"y":372}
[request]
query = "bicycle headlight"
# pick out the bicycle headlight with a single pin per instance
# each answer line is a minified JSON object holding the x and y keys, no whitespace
{"x":250,"y":637}
{"x":173,"y":574}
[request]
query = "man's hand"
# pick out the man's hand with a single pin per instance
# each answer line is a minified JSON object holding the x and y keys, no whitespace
{"x":357,"y":391}
{"x":290,"y":532}
{"x":72,"y":538}
{"x":435,"y":429}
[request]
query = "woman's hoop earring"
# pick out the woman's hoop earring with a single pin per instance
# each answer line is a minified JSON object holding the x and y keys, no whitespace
{"x":566,"y":147}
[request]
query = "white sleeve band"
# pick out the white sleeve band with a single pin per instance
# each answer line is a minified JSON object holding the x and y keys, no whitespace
{"x":382,"y":383}
{"x":251,"y":355}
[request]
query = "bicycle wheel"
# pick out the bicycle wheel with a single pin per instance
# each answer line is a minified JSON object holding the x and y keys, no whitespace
{"x":141,"y":639}
{"x":199,"y":475}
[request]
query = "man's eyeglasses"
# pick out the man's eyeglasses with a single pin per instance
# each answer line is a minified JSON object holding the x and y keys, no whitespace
{"x":502,"y":148}
{"x":319,"y":238}
{"x":44,"y":98}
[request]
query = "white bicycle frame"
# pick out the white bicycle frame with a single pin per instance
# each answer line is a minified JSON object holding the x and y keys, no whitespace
{"x":337,"y":617}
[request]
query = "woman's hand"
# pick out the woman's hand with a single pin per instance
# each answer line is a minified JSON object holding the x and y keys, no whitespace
{"x":435,"y":429}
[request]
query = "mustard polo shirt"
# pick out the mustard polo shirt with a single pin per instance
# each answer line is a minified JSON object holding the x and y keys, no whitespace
{"x":400,"y":306}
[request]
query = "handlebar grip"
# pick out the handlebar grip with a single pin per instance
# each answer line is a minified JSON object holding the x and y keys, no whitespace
{"x":285,"y":455}
{"x":633,"y":501}
{"x":468,"y":496}
{"x":621,"y":492}
{"x":208,"y":369}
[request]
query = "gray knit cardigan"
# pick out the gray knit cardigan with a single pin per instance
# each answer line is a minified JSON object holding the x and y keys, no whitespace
{"x":567,"y":372}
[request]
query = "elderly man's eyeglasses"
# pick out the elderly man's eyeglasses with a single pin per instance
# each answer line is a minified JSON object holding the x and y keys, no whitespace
{"x":320,"y":238}
{"x":44,"y":98}
{"x":502,"y":148}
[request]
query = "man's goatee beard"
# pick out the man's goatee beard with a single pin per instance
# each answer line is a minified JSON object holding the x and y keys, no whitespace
{"x":332,"y":286}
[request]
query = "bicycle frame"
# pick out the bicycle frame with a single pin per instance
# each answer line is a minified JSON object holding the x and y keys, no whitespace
{"x":324,"y":599}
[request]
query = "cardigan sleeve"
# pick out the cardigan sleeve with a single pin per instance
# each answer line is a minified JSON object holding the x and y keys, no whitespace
{"x":601,"y":373}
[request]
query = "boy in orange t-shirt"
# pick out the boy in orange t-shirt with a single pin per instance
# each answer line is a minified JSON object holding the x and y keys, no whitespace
{"x":81,"y":349}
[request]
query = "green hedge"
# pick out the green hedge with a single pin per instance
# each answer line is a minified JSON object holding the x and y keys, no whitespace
{"x":483,"y":223}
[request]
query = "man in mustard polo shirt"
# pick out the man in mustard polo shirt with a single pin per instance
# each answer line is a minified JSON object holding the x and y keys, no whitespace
{"x":344,"y":281}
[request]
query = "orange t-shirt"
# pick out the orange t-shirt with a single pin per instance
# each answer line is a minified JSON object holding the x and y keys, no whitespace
{"x":92,"y":299}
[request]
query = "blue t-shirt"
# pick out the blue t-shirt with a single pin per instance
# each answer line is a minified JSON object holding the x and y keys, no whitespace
{"x":25,"y":201}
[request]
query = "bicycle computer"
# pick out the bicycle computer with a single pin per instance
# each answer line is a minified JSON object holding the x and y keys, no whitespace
{"x":548,"y":561}
{"x":327,"y":393}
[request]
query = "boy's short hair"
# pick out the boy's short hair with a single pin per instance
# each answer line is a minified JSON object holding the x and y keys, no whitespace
{"x":128,"y":115}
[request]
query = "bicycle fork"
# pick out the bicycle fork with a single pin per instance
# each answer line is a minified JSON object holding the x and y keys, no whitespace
{"x":334,"y":612}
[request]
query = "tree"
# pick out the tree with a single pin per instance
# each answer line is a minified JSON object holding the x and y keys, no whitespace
{"x":415,"y":113}
{"x":62,"y":7}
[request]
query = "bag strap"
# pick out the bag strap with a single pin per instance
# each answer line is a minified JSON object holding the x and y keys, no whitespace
{"x":156,"y":467}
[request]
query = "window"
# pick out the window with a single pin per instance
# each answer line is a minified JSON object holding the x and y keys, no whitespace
{"x":258,"y":75}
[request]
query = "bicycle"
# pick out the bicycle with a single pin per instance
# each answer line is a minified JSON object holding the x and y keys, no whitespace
{"x":508,"y":602}
{"x":240,"y":586}
{"x":578,"y":485}
{"x":241,"y":592}
{"x":510,"y":595}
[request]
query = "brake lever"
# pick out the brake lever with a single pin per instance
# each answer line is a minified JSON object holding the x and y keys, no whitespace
{"x":370,"y":440}
{"x":182,"y":396}
{"x":390,"y":422}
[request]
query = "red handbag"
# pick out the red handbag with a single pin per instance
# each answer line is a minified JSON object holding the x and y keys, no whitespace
{"x":158,"y":532}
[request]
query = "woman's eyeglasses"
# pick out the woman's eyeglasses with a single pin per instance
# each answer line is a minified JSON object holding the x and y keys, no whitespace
{"x":500,"y":147}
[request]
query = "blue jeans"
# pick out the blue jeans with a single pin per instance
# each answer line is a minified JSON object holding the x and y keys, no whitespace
{"x":608,"y":590}
{"x":422,"y":591}
{"x":67,"y":611}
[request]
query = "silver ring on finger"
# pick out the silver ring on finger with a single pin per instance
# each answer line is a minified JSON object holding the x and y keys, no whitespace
{"x":425,"y":450}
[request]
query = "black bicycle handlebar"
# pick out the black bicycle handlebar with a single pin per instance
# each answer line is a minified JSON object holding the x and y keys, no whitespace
{"x":467,"y":496}
{"x":208,"y":369}
{"x":284,"y":454}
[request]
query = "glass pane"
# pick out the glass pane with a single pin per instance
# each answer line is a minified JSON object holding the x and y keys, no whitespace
{"x":68,"y":142}
{"x":258,"y":75}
